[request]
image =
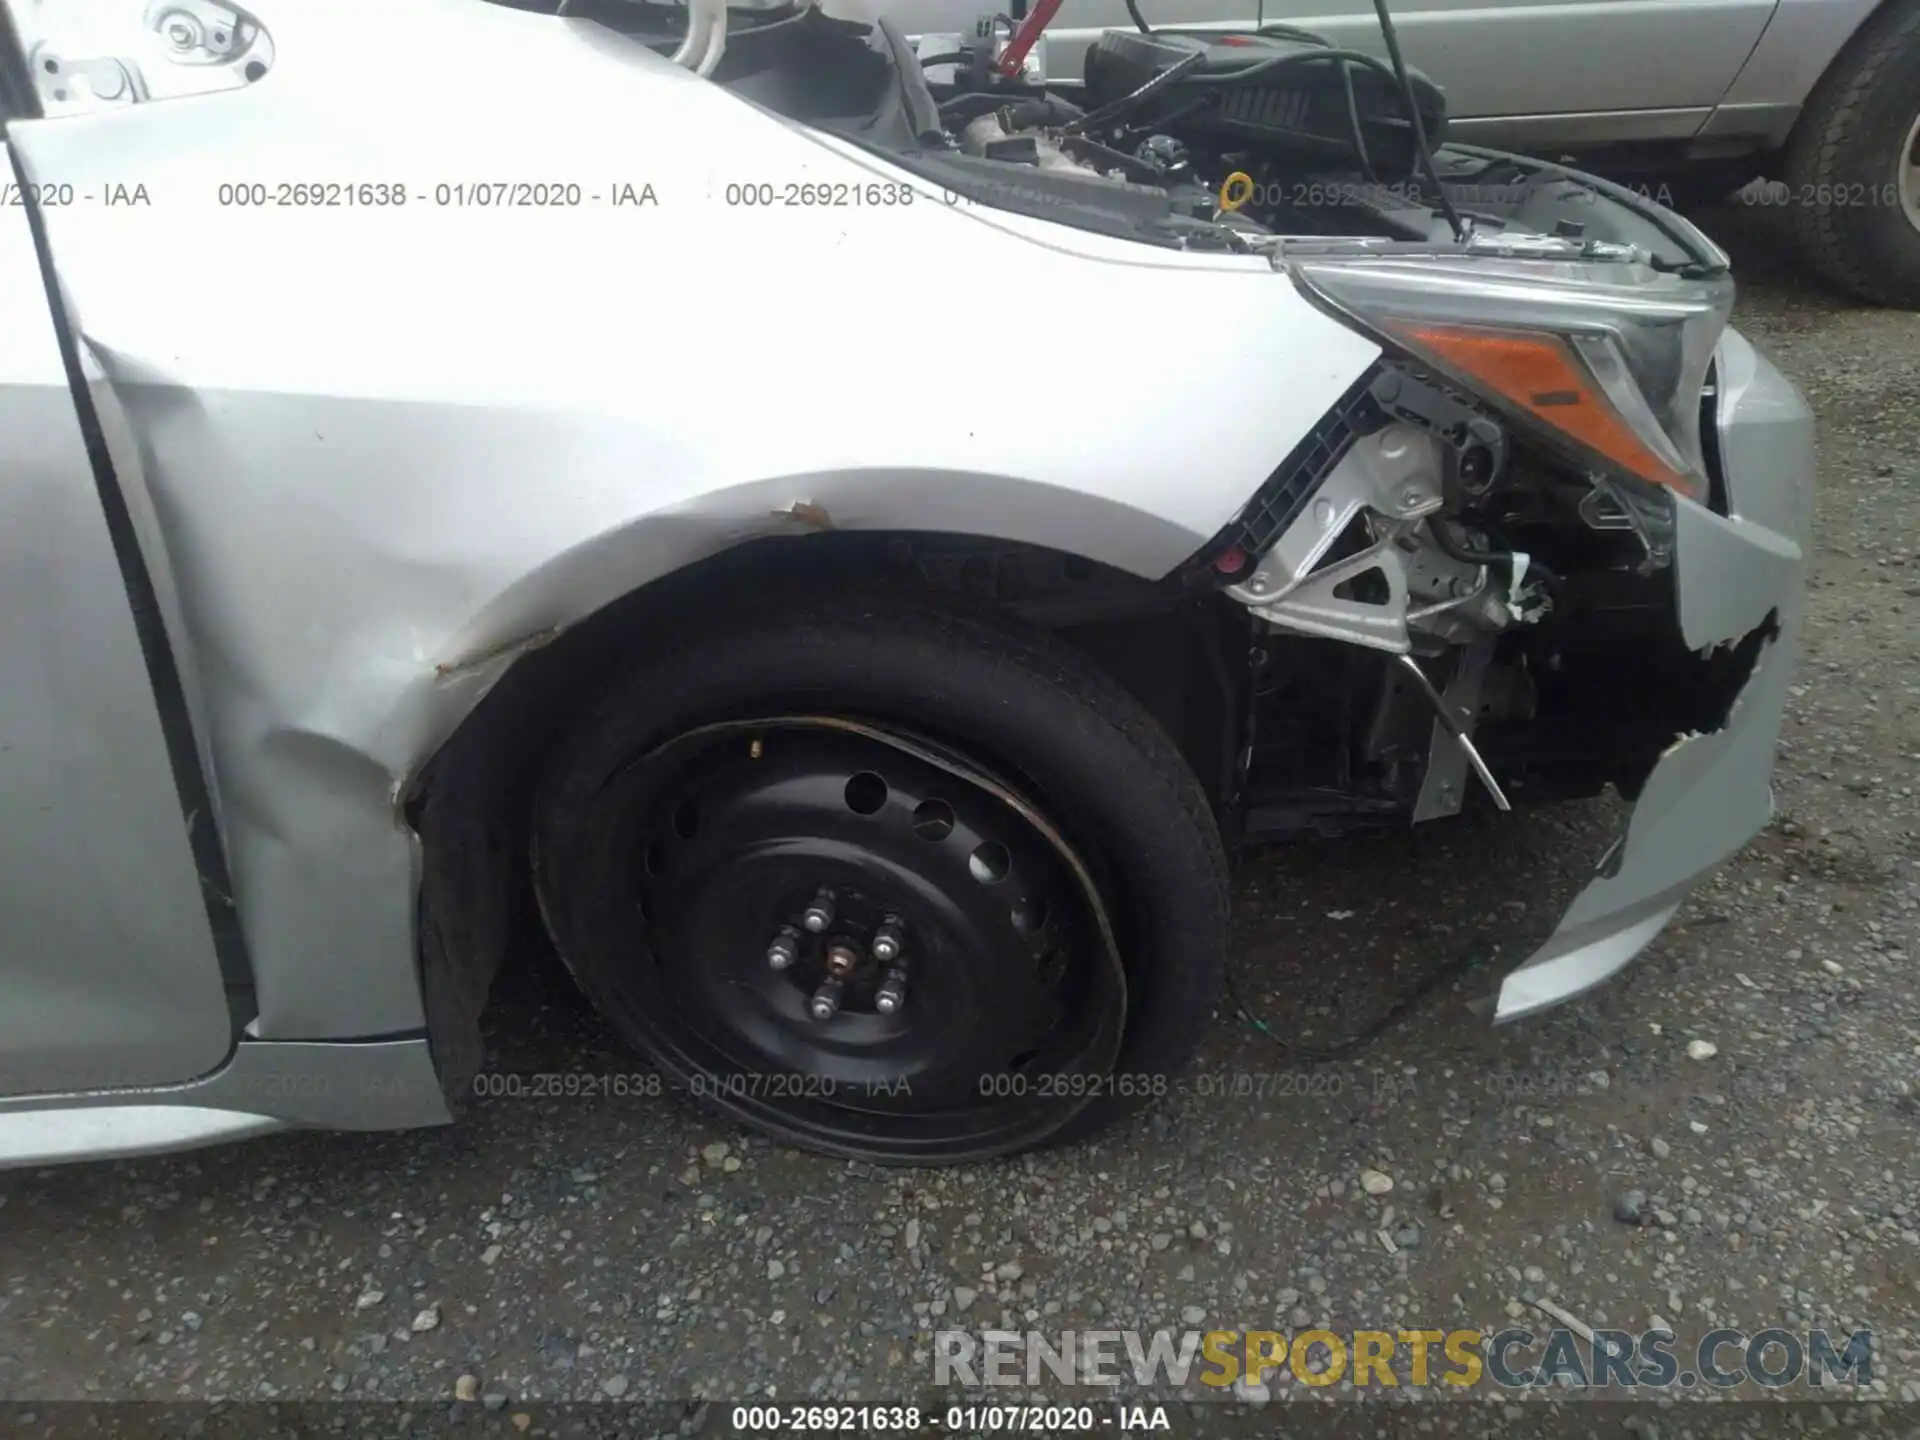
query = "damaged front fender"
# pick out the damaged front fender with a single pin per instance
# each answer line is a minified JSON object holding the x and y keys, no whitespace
{"x":432,"y":434}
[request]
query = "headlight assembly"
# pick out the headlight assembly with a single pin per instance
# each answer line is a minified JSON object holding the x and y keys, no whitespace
{"x":1603,"y":362}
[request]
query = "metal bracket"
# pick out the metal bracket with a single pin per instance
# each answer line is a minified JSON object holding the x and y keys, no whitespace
{"x":1607,"y":506}
{"x":179,"y":47}
{"x":1313,"y":608}
{"x":1452,"y":749}
{"x":1443,"y":790}
{"x":1392,"y":473}
{"x":1460,"y":599}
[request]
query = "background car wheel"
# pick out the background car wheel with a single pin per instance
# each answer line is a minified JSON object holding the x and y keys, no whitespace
{"x":884,"y":877}
{"x":1853,"y":165}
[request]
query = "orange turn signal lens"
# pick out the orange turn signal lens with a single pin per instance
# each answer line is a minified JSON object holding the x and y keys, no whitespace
{"x":1541,"y":374}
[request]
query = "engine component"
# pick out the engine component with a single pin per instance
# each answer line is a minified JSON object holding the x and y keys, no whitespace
{"x":1370,"y":561}
{"x":1297,"y":111}
{"x":1028,"y":133}
{"x":1452,"y":598}
{"x":996,"y":136}
{"x":1361,"y":599}
{"x":1167,"y":155}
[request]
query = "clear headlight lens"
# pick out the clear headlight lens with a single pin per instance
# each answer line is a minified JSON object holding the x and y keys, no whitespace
{"x":1603,"y":361}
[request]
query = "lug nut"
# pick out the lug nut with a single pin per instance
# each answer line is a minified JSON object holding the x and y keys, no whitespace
{"x":892,"y":994}
{"x":888,"y":941}
{"x":842,"y":961}
{"x":819,"y":914}
{"x":826,"y":1000}
{"x":785,"y":948}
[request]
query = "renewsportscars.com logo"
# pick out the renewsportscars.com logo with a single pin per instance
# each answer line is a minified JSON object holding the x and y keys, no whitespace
{"x":1511,"y":1359}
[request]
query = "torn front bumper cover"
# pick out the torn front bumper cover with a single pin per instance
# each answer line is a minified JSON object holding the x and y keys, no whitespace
{"x":1710,"y":793}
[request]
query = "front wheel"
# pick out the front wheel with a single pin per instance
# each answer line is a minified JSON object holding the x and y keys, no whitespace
{"x":885,"y":878}
{"x":1853,"y":165}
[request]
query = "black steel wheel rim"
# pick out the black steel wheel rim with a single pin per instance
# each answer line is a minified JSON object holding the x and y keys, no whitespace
{"x":1008,"y":995}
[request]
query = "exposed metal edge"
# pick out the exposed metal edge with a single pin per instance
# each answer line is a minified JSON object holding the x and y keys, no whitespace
{"x":163,"y":671}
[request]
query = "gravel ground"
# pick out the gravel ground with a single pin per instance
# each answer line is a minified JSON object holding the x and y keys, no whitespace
{"x":555,"y":1250}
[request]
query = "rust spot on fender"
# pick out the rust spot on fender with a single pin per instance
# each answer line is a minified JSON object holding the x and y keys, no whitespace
{"x":484,"y":659}
{"x":810,"y":513}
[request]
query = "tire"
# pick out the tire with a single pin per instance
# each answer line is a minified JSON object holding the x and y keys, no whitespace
{"x":1851,"y":169}
{"x":1001,"y":700}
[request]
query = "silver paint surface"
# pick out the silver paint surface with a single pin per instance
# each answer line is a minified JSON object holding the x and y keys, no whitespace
{"x":265,"y":1086}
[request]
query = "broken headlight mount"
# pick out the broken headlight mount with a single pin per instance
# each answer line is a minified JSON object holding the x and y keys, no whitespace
{"x":1597,"y":364}
{"x":1471,"y":445}
{"x":1346,"y":539}
{"x":1392,"y":526}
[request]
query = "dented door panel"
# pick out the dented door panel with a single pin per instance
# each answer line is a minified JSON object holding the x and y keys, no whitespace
{"x":107,"y":960}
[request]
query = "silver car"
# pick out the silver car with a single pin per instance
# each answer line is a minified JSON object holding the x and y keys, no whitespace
{"x":647,"y":514}
{"x":1821,"y":95}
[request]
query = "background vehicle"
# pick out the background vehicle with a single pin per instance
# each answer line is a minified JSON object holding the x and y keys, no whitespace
{"x":1702,"y":95}
{"x":869,"y":753}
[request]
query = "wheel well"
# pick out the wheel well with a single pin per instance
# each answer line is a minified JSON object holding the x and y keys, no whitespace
{"x":1182,"y":655}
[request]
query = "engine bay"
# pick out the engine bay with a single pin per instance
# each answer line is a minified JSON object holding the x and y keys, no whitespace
{"x":1265,"y":140}
{"x":1259,"y":130}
